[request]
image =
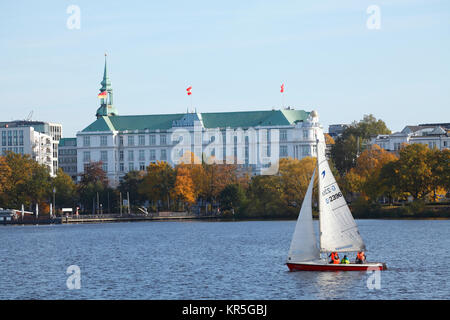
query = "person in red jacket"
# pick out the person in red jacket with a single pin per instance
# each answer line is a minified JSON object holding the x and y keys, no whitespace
{"x":334,"y":258}
{"x":360,"y":257}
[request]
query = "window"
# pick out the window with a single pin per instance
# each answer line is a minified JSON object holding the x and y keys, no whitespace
{"x":104,"y":156}
{"x":120,"y":140}
{"x":86,"y":156}
{"x":130,"y":155}
{"x":283,"y":151}
{"x":283,"y":135}
{"x":152,"y":154}
{"x":163,"y":154}
{"x":9,"y":138}
{"x":131,"y":166}
{"x":142,"y":140}
{"x":105,"y":167}
{"x":3,"y":138}
{"x":142,"y":166}
{"x":21,"y":138}
{"x":121,"y":167}
{"x":15,"y":142}
{"x":152,"y":139}
{"x":103,"y":140}
{"x":121,"y":155}
{"x":305,"y":134}
{"x":162,"y":139}
{"x":141,"y":155}
{"x":305,"y":151}
{"x":131,"y":140}
{"x":86,"y":141}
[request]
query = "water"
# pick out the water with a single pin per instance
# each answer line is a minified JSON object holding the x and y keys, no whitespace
{"x":214,"y":260}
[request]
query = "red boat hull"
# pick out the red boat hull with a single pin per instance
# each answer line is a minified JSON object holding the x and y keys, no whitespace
{"x":335,"y":267}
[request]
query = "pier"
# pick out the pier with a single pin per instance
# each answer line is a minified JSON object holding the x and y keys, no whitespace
{"x":103,"y":218}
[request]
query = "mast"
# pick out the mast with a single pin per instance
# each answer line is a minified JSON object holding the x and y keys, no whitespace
{"x":319,"y":188}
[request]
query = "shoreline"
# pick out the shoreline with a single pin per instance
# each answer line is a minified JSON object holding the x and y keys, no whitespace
{"x":63,"y":221}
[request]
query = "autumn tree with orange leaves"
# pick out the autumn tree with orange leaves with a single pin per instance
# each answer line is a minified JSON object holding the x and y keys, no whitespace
{"x":364,"y":178}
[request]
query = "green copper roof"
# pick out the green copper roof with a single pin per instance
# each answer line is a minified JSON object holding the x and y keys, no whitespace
{"x":65,"y":142}
{"x":240,"y":119}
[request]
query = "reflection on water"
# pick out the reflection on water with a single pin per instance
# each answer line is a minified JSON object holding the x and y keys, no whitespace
{"x":214,"y":260}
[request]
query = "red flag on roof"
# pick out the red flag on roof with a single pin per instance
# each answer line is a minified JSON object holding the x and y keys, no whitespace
{"x":189,"y":91}
{"x":103,"y":94}
{"x":282,"y":88}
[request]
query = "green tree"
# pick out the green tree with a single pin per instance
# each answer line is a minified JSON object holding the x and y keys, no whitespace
{"x":5,"y":178}
{"x":353,"y":141}
{"x":93,"y":186}
{"x":65,"y":190}
{"x":439,"y":162}
{"x":39,"y":186}
{"x":158,"y":182}
{"x":414,"y":170}
{"x":131,"y":183}
{"x":232,"y":197}
{"x":21,"y":173}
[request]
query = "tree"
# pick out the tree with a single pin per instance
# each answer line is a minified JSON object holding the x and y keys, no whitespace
{"x":158,"y":182}
{"x":65,"y":190}
{"x":5,"y":176}
{"x":265,"y":196}
{"x":232,"y":197}
{"x":218,"y":176}
{"x":353,"y":140}
{"x":39,"y":186}
{"x":93,"y":186}
{"x":365,"y":176}
{"x":328,"y":139}
{"x":414,"y":170}
{"x":439,"y":162}
{"x":21,"y":167}
{"x":294,"y":177}
{"x":184,"y":187}
{"x":131,"y":183}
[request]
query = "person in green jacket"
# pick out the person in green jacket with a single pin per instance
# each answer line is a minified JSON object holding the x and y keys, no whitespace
{"x":345,"y":260}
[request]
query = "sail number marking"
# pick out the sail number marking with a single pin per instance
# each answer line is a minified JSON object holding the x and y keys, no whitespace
{"x":333,"y":197}
{"x":328,"y":190}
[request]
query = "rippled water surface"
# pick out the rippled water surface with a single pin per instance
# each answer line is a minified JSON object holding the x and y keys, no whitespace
{"x":215,"y":260}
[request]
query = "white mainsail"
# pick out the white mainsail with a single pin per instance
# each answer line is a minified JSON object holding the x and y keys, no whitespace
{"x":338,"y":229}
{"x":304,"y":243}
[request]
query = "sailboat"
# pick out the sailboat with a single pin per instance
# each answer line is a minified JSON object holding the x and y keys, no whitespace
{"x":338,"y":230}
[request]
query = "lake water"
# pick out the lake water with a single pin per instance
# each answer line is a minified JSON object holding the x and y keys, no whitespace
{"x":215,"y":260}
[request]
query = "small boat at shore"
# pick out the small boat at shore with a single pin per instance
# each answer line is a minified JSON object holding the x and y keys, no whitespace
{"x":338,"y":230}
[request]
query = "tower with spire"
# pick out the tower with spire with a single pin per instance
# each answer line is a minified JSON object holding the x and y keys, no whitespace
{"x":106,"y":104}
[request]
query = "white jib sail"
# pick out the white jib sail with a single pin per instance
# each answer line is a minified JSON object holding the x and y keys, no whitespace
{"x":338,"y":229}
{"x":304,"y":243}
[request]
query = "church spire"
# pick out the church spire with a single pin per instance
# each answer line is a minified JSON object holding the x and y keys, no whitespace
{"x":106,"y":105}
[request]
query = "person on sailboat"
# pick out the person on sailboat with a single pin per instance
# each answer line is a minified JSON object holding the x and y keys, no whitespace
{"x":360,"y":257}
{"x":345,"y":260}
{"x":334,"y":258}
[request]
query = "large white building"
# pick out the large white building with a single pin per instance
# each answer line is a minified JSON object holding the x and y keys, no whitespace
{"x":433,"y":135}
{"x":35,"y":138}
{"x":252,"y":139}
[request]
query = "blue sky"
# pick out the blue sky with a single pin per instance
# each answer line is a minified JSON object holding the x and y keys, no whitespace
{"x":235,"y":55}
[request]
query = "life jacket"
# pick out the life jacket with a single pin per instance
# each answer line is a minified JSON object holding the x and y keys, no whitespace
{"x":360,"y":256}
{"x":345,"y":261}
{"x":336,"y":261}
